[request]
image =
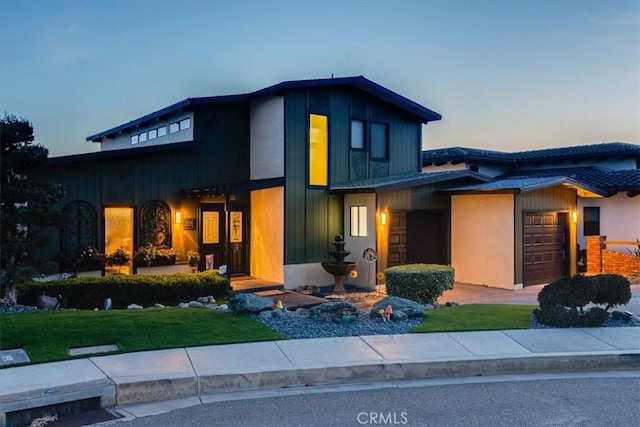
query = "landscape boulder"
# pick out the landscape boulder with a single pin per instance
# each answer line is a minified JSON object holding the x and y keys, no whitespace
{"x":408,"y":307}
{"x":249,"y":303}
{"x":333,"y":311}
{"x":44,"y":302}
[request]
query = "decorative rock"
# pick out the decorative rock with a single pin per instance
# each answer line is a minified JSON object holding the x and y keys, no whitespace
{"x":206,"y":300}
{"x":107,"y":304}
{"x":249,"y":303}
{"x":429,"y":307}
{"x":410,"y":308}
{"x":223,"y":307}
{"x":265,"y":314}
{"x":134,"y":307}
{"x":399,"y":315}
{"x":44,"y":302}
{"x":452,"y":304}
{"x":183,"y":305}
{"x":334,"y":310}
{"x":158,"y":305}
{"x":195,"y":304}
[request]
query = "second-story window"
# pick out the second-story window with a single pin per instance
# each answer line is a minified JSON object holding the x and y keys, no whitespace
{"x":174,"y":127}
{"x":357,"y":135}
{"x":318,"y":150}
{"x":379,"y":141}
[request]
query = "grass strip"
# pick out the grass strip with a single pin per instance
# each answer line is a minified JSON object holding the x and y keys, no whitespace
{"x":47,"y":336}
{"x":476,"y":317}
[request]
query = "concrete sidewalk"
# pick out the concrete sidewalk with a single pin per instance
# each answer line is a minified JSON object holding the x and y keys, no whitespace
{"x":198,"y":373}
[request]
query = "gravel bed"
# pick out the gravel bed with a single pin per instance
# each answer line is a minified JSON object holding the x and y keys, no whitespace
{"x":611,"y":323}
{"x":297,"y":326}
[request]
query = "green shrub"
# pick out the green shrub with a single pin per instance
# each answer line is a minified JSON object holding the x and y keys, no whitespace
{"x":557,"y":316}
{"x":613,"y":290}
{"x":595,"y":317}
{"x":568,"y":291}
{"x":145,"y":290}
{"x":422,"y":283}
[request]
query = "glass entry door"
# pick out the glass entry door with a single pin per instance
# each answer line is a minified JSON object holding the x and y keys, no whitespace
{"x":118,"y":234}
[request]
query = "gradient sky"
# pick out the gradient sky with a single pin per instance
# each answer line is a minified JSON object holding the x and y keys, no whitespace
{"x":505,"y":75}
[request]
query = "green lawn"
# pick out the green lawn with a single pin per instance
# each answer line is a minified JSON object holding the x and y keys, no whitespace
{"x":47,"y":336}
{"x":476,"y":317}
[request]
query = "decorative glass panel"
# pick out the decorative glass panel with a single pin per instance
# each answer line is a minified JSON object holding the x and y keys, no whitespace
{"x":162,"y":131}
{"x":134,"y":139}
{"x":143,"y":137}
{"x":359,"y":221}
{"x":80,"y":228}
{"x":236,"y":227}
{"x":318,"y":150}
{"x":155,"y":224}
{"x":174,"y":127}
{"x":210,"y":227}
{"x":153,"y":133}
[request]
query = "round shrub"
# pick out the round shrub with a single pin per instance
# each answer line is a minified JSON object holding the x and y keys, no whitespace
{"x":422,"y":283}
{"x":595,"y":317}
{"x":568,"y":291}
{"x":613,"y":290}
{"x":556,"y":316}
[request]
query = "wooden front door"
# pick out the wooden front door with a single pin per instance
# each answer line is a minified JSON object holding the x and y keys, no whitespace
{"x":237,"y":243}
{"x":397,"y":239}
{"x":545,"y":247}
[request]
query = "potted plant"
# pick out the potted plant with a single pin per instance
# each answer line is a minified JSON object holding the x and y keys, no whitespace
{"x":145,"y":255}
{"x":120,"y":257}
{"x":90,"y":259}
{"x":193,"y":257}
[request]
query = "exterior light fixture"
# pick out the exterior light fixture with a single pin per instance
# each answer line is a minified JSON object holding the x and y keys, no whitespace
{"x":383,"y":218}
{"x":574,"y":215}
{"x":178,"y":217}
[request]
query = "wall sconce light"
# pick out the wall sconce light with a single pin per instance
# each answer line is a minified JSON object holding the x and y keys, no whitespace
{"x":383,"y":218}
{"x":178,"y":217}
{"x":574,"y":215}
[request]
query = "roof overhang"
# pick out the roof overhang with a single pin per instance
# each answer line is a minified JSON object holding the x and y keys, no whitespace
{"x":110,"y":154}
{"x":526,"y":185}
{"x":229,"y":188}
{"x":379,"y":185}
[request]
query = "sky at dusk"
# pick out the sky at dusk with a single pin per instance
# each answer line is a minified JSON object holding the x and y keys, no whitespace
{"x":505,"y":75}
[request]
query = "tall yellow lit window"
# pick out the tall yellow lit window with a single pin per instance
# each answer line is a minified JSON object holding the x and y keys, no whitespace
{"x":318,"y":150}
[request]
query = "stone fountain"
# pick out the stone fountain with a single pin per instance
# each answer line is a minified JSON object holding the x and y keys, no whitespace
{"x":340,"y":267}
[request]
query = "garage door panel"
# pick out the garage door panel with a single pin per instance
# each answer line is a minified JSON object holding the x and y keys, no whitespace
{"x":544,"y":248}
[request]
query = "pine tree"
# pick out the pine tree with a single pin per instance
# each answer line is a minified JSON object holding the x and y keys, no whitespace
{"x":26,"y":205}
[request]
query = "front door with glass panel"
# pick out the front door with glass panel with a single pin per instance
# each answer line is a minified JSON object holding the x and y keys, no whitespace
{"x":212,"y":235}
{"x":118,"y":236}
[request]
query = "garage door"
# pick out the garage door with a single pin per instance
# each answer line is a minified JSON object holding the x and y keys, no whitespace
{"x":545,"y":247}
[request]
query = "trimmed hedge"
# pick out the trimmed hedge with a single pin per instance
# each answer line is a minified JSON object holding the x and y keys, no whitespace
{"x":422,"y":283}
{"x":145,"y":290}
{"x":562,"y":301}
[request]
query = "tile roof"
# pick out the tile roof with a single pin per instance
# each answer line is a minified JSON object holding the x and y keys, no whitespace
{"x":548,"y":155}
{"x":404,"y":181}
{"x":594,"y":179}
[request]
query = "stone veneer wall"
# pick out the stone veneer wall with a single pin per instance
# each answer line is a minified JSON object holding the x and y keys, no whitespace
{"x":602,"y":260}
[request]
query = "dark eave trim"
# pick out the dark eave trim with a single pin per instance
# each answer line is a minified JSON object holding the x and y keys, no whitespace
{"x":110,"y":154}
{"x":233,"y":187}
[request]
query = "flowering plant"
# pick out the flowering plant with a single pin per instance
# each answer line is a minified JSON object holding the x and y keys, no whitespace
{"x":120,"y":257}
{"x":90,"y":253}
{"x":193,"y":257}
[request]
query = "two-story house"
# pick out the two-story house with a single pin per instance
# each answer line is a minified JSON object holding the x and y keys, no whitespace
{"x":264,"y":181}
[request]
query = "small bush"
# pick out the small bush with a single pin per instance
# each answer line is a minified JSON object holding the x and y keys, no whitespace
{"x":613,"y":290}
{"x":145,"y":290}
{"x":568,"y":291}
{"x":595,"y":317}
{"x":422,"y":283}
{"x":556,"y":316}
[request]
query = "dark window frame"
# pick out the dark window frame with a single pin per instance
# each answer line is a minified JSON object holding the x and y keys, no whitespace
{"x":364,"y":134}
{"x":591,"y":220}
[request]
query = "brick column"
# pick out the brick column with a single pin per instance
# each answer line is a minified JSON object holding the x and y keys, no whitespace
{"x":594,"y":254}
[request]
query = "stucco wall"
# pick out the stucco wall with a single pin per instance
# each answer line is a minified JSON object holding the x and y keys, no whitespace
{"x":619,"y":219}
{"x":267,"y":234}
{"x":309,"y":274}
{"x":267,"y":138}
{"x":482,"y":241}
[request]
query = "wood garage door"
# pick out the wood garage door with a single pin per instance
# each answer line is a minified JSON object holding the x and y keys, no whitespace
{"x":545,"y":247}
{"x":417,"y":237}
